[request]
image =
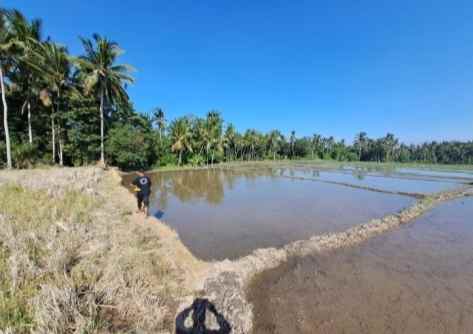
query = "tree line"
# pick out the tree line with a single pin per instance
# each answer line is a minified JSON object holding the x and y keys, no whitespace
{"x":74,"y":110}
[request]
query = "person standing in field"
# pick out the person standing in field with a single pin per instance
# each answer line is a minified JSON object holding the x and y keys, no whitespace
{"x":142,"y":185}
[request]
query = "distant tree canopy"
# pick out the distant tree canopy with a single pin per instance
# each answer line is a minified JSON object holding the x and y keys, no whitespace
{"x":74,"y":110}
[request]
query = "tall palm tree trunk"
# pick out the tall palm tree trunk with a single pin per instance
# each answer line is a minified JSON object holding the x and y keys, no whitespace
{"x":60,"y":142}
{"x":59,"y":130}
{"x":5,"y":120}
{"x":53,"y":139}
{"x":102,"y":153}
{"x":30,"y":132}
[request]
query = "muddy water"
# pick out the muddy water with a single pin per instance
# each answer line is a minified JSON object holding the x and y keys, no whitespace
{"x":418,"y":279}
{"x":412,"y":183}
{"x":228,"y":213}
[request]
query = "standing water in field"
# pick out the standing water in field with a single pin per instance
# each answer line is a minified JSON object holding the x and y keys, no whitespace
{"x":392,"y":182}
{"x":418,"y":279}
{"x":222,"y":214}
{"x":446,"y":174}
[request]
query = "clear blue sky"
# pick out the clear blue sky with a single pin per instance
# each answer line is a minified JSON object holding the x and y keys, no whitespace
{"x":331,"y":67}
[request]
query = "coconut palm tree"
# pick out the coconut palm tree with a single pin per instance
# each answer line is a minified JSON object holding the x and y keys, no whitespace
{"x":250,"y":140}
{"x":208,"y":135}
{"x":240,"y":146}
{"x":390,"y":144}
{"x":214,"y":125}
{"x":315,"y":144}
{"x":5,"y":57}
{"x":275,"y":139}
{"x":292,"y":142}
{"x":103,"y":77}
{"x":360,"y":143}
{"x":230,"y":142}
{"x":158,"y":117}
{"x":51,"y":62}
{"x":27,"y":36}
{"x":181,"y":136}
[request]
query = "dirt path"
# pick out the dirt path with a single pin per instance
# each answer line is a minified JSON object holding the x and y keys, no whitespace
{"x":192,"y":270}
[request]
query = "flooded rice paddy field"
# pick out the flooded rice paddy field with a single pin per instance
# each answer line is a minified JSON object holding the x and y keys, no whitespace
{"x":222,"y":214}
{"x":418,"y":279}
{"x":453,"y":175}
{"x":392,"y":182}
{"x":228,"y":213}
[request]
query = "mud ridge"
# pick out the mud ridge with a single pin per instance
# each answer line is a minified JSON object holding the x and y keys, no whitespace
{"x":351,"y":185}
{"x":346,"y":184}
{"x":403,"y":176}
{"x":228,"y":280}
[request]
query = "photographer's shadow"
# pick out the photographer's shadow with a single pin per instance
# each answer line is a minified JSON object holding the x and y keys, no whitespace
{"x":199,"y":312}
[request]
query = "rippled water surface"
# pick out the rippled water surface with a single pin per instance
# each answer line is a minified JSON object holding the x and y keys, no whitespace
{"x":418,"y":279}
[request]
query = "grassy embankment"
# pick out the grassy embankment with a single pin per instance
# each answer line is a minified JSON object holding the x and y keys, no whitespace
{"x":74,"y":259}
{"x":26,"y":261}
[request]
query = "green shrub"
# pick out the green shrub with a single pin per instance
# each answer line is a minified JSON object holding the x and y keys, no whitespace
{"x":197,"y":160}
{"x":128,"y":148}
{"x":168,"y":159}
{"x":24,"y":155}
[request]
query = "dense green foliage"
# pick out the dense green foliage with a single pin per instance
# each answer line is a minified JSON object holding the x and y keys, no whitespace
{"x":74,"y":110}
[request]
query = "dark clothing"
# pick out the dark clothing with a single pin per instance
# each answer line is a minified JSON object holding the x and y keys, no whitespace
{"x":142,"y":199}
{"x":144,"y":184}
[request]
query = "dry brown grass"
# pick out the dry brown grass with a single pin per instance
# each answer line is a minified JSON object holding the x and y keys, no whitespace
{"x":35,"y":246}
{"x":71,"y":261}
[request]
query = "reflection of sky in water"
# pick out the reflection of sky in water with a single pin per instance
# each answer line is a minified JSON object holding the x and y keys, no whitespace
{"x":228,"y":213}
{"x":394,"y":182}
{"x":443,"y":174}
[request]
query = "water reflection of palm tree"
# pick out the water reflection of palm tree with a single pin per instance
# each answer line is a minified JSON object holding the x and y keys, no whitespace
{"x":230,"y":179}
{"x":161,"y":188}
{"x":208,"y":185}
{"x":282,"y":171}
{"x":214,"y":190}
{"x":193,"y":185}
{"x":273,"y":173}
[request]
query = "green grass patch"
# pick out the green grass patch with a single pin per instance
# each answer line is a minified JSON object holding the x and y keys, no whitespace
{"x":29,"y":209}
{"x":15,"y":312}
